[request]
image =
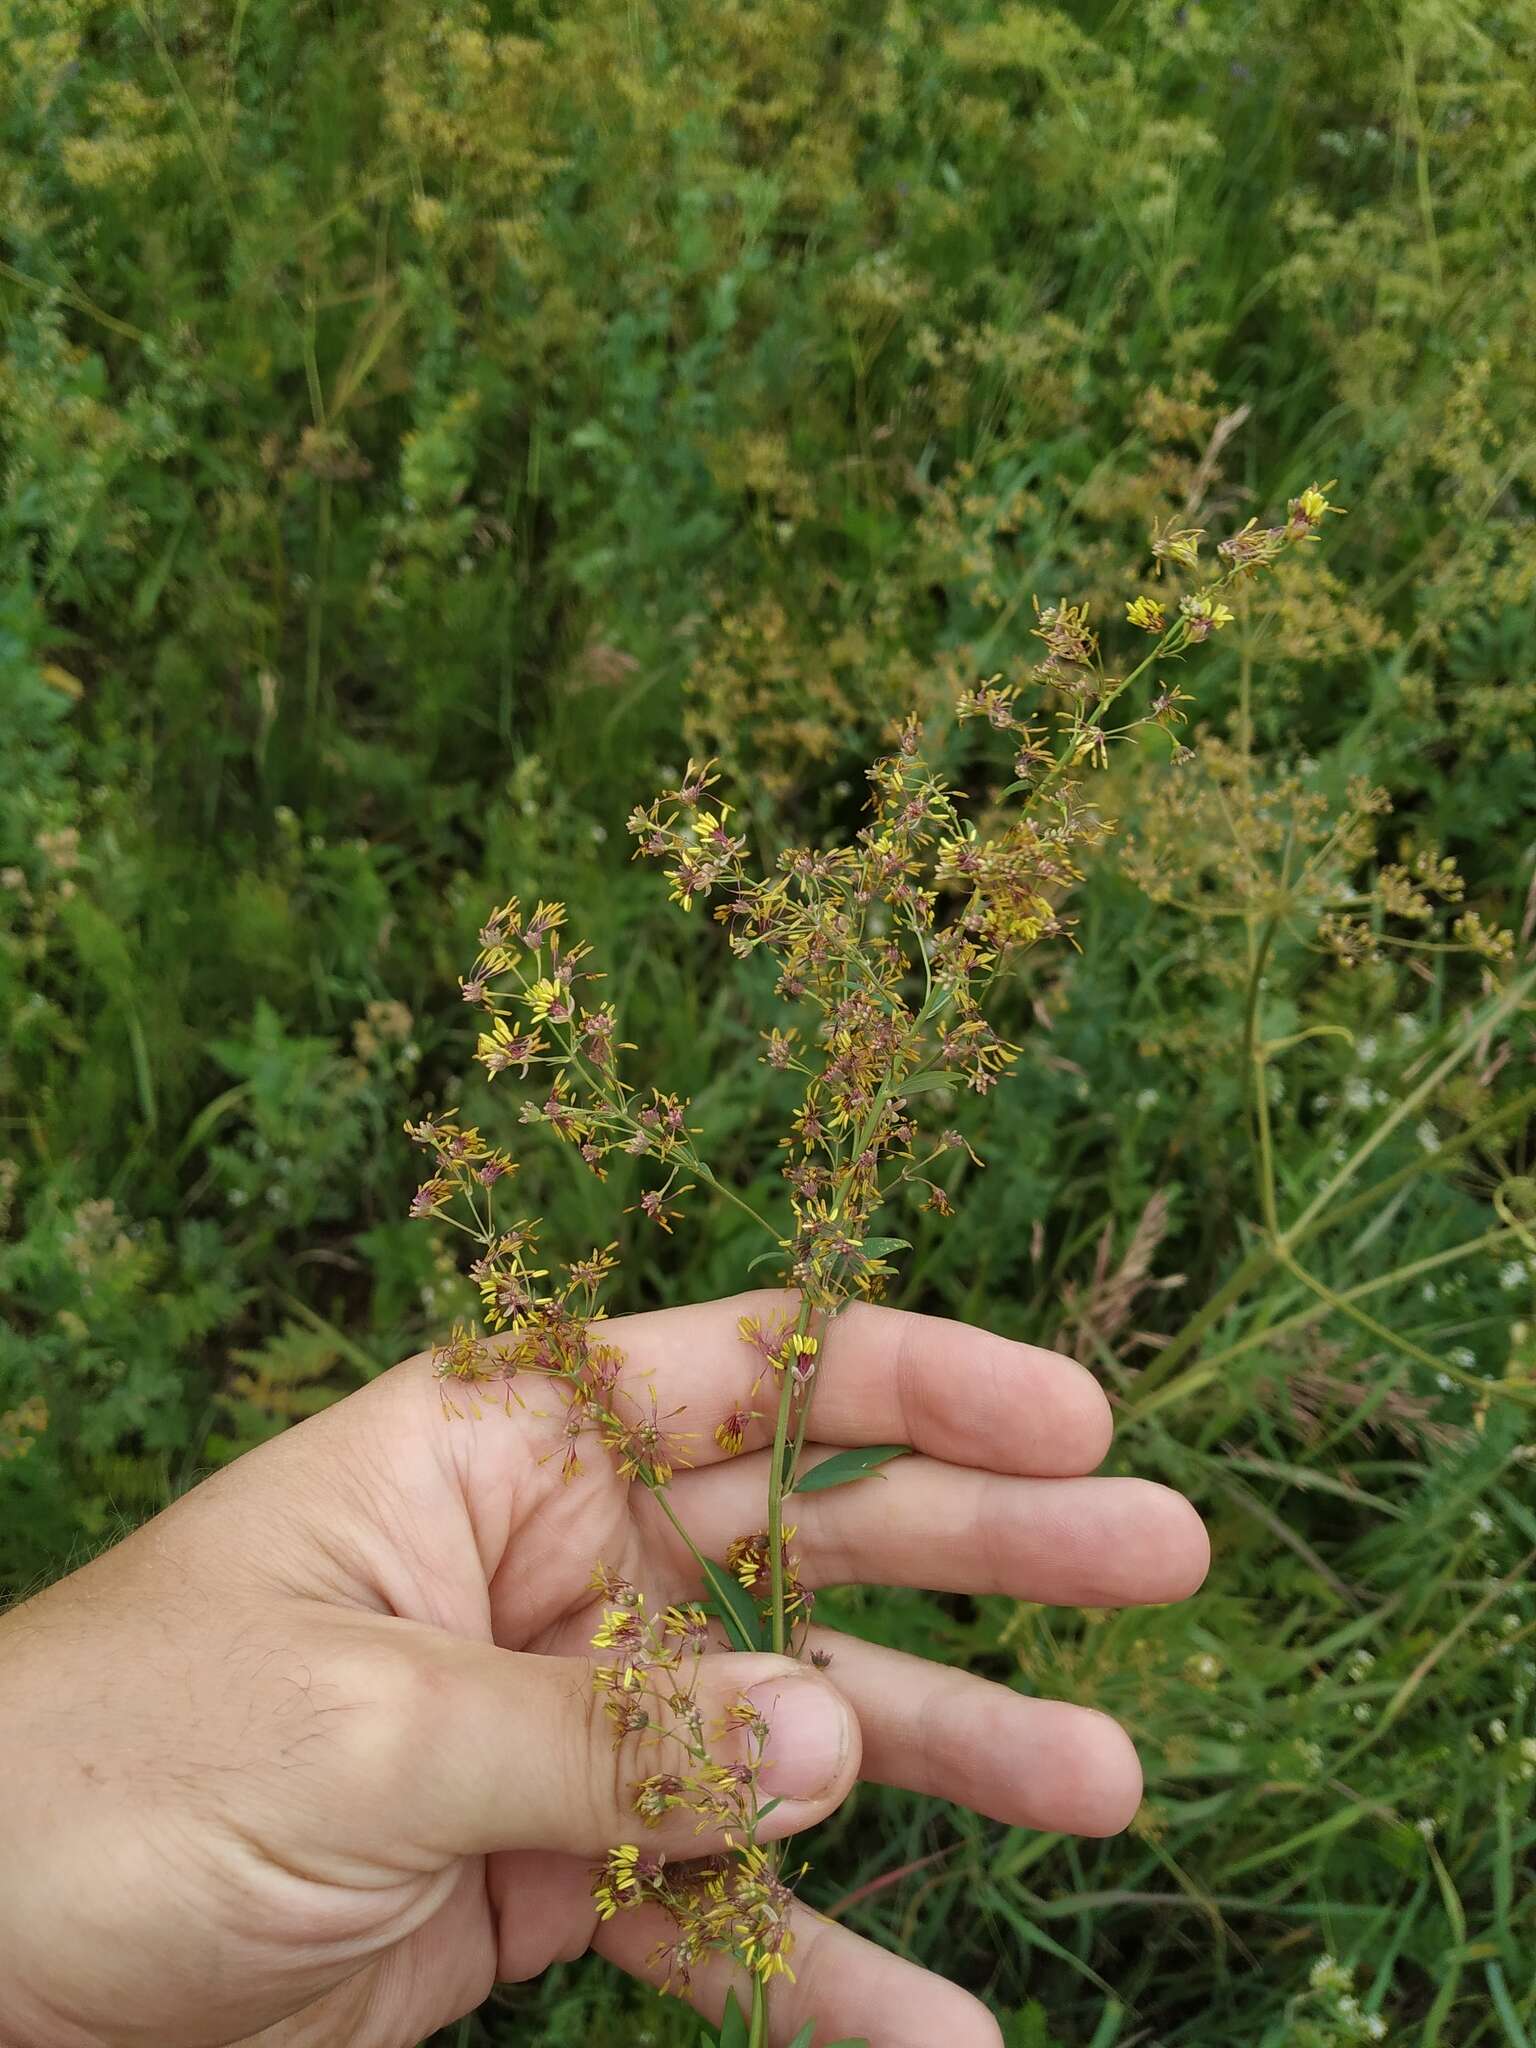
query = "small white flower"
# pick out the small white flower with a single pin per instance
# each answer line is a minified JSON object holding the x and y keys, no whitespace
{"x":1367,"y":1048}
{"x":1363,"y":1710}
{"x":1498,"y":1730}
{"x":1360,"y":1663}
{"x":1147,"y":1098}
{"x":1463,"y":1356}
{"x":1426,"y":1827}
{"x":1410,"y":1027}
{"x":1427,"y":1135}
{"x":1357,"y":1092}
{"x":1482,"y":1521}
{"x":1512,"y":1273}
{"x":1429,"y":1291}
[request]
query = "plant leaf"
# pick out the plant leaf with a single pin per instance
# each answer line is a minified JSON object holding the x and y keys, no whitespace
{"x":733,"y":2027}
{"x":920,"y":1084}
{"x":805,"y":2036}
{"x":732,"y":1605}
{"x":845,"y":1466}
{"x":877,"y":1247}
{"x":763,"y":1258}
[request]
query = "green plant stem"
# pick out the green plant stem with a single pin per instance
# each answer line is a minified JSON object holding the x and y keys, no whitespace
{"x":1275,"y":1250}
{"x":1485,"y":1021}
{"x":1258,"y":1091}
{"x":625,"y":1119}
{"x":1514,"y":1111}
{"x":1398,"y":1342}
{"x":757,"y":2035}
{"x":777,"y":1477}
{"x":1232,"y":1289}
{"x":719,"y":1187}
{"x":1398,"y":1277}
{"x":659,"y":1495}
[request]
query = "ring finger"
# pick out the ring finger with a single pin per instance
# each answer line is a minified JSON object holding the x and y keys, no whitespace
{"x":919,"y":1522}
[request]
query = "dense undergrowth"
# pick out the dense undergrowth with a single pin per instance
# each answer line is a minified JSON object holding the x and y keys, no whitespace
{"x":423,"y":426}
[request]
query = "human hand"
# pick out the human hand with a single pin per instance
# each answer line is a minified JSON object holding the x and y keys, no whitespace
{"x":314,"y":1756}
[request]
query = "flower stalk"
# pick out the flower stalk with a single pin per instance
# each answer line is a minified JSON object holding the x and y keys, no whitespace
{"x":887,"y":952}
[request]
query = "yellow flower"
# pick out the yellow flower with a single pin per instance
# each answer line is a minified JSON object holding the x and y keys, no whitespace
{"x":1180,"y":544}
{"x":1203,"y":615}
{"x":732,"y":1433}
{"x":1312,"y":506}
{"x":617,"y":1884}
{"x":541,"y":996}
{"x":1148,"y":613}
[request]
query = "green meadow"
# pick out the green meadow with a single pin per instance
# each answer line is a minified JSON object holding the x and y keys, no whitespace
{"x":423,"y":427}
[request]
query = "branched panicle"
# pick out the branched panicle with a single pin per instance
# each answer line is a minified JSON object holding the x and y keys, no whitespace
{"x":886,"y":950}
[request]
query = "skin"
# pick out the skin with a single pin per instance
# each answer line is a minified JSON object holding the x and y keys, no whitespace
{"x":314,"y":1756}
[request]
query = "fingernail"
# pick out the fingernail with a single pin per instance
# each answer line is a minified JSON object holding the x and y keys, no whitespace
{"x":808,"y":1736}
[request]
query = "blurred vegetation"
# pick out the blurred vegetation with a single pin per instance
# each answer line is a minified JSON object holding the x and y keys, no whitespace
{"x":423,"y":425}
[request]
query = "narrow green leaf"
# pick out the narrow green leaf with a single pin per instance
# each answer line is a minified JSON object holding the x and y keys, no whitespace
{"x":845,"y":1466}
{"x":733,"y":2027}
{"x":921,"y":1084}
{"x":859,"y":2041}
{"x":1504,"y":2006}
{"x":763,"y":1258}
{"x":877,"y":1247}
{"x":805,"y":2037}
{"x":732,"y":1606}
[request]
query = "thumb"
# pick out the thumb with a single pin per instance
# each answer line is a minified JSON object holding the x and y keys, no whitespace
{"x":522,"y":1754}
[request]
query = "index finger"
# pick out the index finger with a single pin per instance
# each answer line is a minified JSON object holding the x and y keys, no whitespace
{"x":884,"y":1375}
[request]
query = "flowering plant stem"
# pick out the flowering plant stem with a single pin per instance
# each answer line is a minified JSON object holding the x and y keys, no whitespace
{"x":924,"y":898}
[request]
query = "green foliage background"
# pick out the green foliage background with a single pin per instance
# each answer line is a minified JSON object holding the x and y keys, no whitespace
{"x":423,"y":425}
